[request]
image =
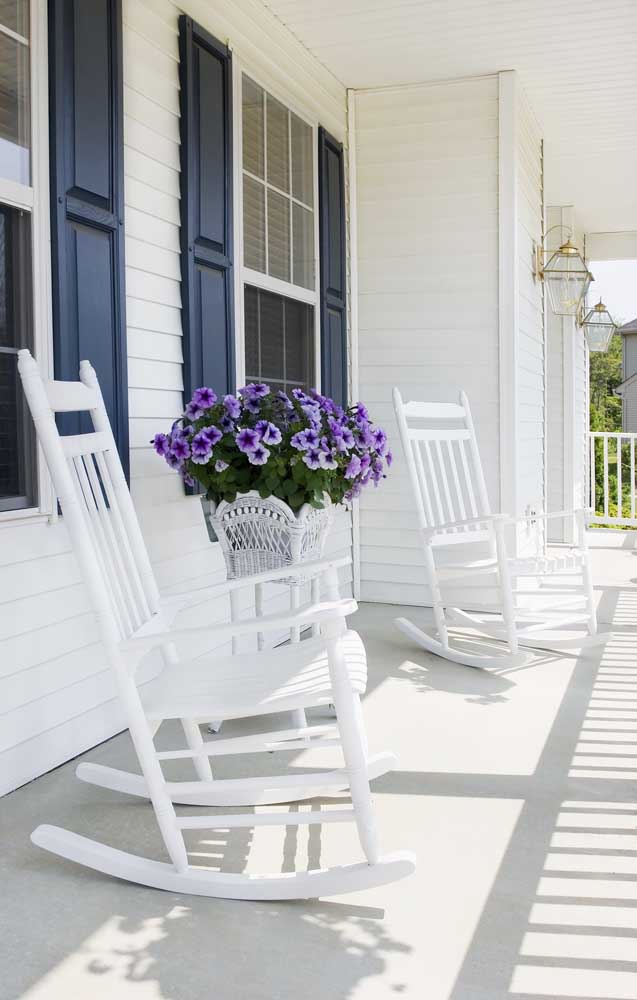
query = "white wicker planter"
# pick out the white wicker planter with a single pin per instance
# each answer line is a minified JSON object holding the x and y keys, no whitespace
{"x":257,"y":535}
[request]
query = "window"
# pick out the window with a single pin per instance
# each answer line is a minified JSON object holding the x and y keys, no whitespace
{"x":17,"y":465}
{"x":279,"y":241}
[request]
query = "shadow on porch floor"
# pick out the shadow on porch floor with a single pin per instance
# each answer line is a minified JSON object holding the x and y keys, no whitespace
{"x":516,"y":790}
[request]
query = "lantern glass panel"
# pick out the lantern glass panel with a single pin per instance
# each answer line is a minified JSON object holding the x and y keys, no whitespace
{"x":567,"y":280}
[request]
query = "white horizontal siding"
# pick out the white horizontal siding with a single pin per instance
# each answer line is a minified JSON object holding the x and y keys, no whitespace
{"x":56,"y":695}
{"x":427,"y":186}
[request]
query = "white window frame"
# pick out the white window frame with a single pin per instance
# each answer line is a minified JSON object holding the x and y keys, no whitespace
{"x":245,"y":275}
{"x":36,"y":200}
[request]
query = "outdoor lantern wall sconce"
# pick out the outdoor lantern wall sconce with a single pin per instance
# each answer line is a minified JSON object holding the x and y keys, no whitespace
{"x":565,"y":275}
{"x":598,"y":326}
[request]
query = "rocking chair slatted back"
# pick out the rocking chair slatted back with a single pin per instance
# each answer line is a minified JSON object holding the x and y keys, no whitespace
{"x":443,"y":461}
{"x":94,"y":497}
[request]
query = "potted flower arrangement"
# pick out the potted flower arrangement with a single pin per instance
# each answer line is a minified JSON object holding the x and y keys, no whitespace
{"x":272,"y":466}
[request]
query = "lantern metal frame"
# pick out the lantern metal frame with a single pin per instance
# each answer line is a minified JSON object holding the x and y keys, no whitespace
{"x":542,"y":262}
{"x":593,"y":318}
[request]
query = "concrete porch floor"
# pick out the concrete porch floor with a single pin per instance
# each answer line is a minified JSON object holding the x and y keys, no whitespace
{"x":516,"y":789}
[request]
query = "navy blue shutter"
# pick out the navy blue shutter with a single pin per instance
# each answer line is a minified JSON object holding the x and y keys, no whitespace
{"x":87,"y":201}
{"x":206,"y":210}
{"x":333,"y":277}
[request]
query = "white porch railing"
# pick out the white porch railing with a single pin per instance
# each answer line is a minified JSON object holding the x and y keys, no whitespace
{"x":612,"y":478}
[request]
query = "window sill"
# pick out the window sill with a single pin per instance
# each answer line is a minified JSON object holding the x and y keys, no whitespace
{"x":28,"y":515}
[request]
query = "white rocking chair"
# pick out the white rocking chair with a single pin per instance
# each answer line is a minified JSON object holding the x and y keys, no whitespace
{"x":133,"y":619}
{"x":536,"y":596}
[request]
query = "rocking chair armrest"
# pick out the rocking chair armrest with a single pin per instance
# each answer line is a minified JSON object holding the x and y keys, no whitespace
{"x":466,"y":522}
{"x":156,"y":633}
{"x":549,"y":515}
{"x":182,"y":600}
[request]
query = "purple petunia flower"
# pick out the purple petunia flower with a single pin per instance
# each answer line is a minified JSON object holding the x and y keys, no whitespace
{"x":365,"y":461}
{"x":258,"y":455}
{"x":285,"y":399}
{"x":303,"y":440}
{"x":189,"y":481}
{"x":173,"y":461}
{"x":270,"y":433}
{"x":180,"y":448}
{"x":362,"y":411}
{"x":161,"y":444}
{"x":247,"y":440}
{"x":212,"y":433}
{"x":312,"y":458}
{"x":233,"y":406}
{"x":252,"y":405}
{"x":204,"y":398}
{"x":201,"y":448}
{"x":193,"y":411}
{"x":255,"y":390}
{"x":380,"y":439}
{"x":226,"y":424}
{"x":353,"y":468}
{"x":327,"y":460}
{"x":220,"y":465}
{"x":389,"y":458}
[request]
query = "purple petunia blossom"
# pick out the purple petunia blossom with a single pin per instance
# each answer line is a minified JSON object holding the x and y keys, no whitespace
{"x":233,"y":406}
{"x":312,"y":458}
{"x":285,"y":399}
{"x":380,"y":439}
{"x":353,"y":468}
{"x":193,"y":411}
{"x":365,"y":461}
{"x":252,"y":405}
{"x":255,"y":390}
{"x":212,"y":433}
{"x":258,"y":455}
{"x":327,"y":460}
{"x":161,"y":444}
{"x":220,"y":465}
{"x":270,"y":433}
{"x":189,"y":481}
{"x":361,"y":411}
{"x":226,"y":424}
{"x":303,"y":440}
{"x":204,"y":398}
{"x":180,"y":448}
{"x":389,"y":458}
{"x":174,"y":462}
{"x":247,"y":440}
{"x":201,"y":448}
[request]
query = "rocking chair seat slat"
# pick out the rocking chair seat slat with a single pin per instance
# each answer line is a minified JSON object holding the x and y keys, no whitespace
{"x":249,"y":684}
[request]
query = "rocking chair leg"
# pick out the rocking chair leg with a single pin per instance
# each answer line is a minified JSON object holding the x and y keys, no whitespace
{"x":195,"y":742}
{"x":506,"y":590}
{"x":436,"y":596}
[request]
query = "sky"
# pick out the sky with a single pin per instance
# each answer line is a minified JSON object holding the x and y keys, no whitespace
{"x":616,"y":283}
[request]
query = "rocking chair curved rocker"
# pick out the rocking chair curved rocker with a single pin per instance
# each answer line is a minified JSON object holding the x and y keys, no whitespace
{"x":133,"y":619}
{"x":535,"y":596}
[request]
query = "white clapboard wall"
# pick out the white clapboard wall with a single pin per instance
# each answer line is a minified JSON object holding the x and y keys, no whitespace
{"x":56,"y":696}
{"x":427,"y":185}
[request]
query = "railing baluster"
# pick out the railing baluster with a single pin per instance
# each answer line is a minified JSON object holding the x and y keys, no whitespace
{"x":619,"y":477}
{"x":605,"y":439}
{"x":592,"y":465}
{"x":632,"y":476}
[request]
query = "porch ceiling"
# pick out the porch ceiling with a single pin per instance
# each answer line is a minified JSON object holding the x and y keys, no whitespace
{"x":575,"y":60}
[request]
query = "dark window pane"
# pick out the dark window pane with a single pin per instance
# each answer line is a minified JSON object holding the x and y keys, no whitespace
{"x":302,"y":160}
{"x":279,"y":337}
{"x":252,"y":127}
{"x":302,"y":246}
{"x":14,"y":14}
{"x":278,"y":236}
{"x":278,"y":144}
{"x":253,"y":224}
{"x":17,"y":480}
{"x":14,"y":111}
{"x":299,"y":342}
{"x":251,"y":310}
{"x":271,"y":334}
